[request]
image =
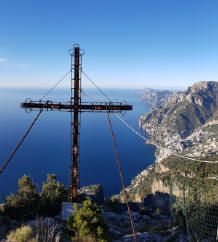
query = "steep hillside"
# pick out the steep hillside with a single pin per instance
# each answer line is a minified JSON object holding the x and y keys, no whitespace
{"x":157,"y":178}
{"x":185,"y":122}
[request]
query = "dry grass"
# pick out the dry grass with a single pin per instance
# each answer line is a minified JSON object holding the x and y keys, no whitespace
{"x":85,"y":239}
{"x":23,"y":234}
{"x":43,"y":231}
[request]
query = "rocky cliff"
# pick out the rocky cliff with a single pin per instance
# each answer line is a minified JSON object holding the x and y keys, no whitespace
{"x":185,"y":122}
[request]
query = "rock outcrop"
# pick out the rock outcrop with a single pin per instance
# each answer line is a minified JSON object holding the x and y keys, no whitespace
{"x":94,"y":192}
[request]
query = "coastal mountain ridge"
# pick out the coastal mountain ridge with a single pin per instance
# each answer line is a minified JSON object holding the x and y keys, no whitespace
{"x":185,"y":122}
{"x":153,"y":97}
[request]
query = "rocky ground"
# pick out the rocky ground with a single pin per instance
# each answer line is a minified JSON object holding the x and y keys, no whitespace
{"x":175,"y":234}
{"x":158,"y":227}
{"x":43,"y":226}
{"x":149,"y":223}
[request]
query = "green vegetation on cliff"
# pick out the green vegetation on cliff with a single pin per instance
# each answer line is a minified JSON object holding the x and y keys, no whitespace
{"x":29,"y":202}
{"x":173,"y":170}
{"x":86,"y":222}
{"x":192,"y":168}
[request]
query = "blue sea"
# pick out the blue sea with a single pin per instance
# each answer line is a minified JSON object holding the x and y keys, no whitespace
{"x":46,"y":148}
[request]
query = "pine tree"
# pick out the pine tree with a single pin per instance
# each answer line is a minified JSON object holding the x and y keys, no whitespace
{"x":52,"y":196}
{"x":87,"y":221}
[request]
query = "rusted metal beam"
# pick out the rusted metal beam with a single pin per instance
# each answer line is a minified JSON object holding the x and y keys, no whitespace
{"x":77,"y":101}
{"x":81,"y":107}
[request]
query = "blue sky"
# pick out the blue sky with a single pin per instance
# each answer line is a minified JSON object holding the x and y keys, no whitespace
{"x":128,"y":44}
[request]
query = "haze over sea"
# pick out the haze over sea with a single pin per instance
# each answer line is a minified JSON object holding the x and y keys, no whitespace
{"x":46,"y":148}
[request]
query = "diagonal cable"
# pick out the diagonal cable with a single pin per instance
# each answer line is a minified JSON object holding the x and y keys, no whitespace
{"x":90,"y":79}
{"x":21,"y":141}
{"x":53,"y":87}
{"x":121,"y":176}
{"x":141,"y":136}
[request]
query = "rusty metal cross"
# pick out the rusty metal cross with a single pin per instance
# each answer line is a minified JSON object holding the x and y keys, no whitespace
{"x":76,"y":106}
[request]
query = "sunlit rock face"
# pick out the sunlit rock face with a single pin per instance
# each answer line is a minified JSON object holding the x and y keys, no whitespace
{"x":185,"y":122}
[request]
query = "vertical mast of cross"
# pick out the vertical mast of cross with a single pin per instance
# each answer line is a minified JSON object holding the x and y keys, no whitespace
{"x":76,"y":101}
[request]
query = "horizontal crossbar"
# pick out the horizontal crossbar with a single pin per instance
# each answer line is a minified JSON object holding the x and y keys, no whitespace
{"x":81,"y":107}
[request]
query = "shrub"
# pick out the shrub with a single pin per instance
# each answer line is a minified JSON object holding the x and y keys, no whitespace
{"x":158,"y":212}
{"x":87,"y":221}
{"x":52,"y":196}
{"x":42,"y":231}
{"x":111,"y":205}
{"x":150,"y":227}
{"x":22,"y":234}
{"x":28,"y":203}
{"x":24,"y":205}
{"x":2,"y":208}
{"x":146,"y":211}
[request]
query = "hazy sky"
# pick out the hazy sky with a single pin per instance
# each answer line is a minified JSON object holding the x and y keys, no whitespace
{"x":155,"y":43}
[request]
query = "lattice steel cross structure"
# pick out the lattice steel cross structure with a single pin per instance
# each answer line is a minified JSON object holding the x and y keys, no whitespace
{"x":75,"y":107}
